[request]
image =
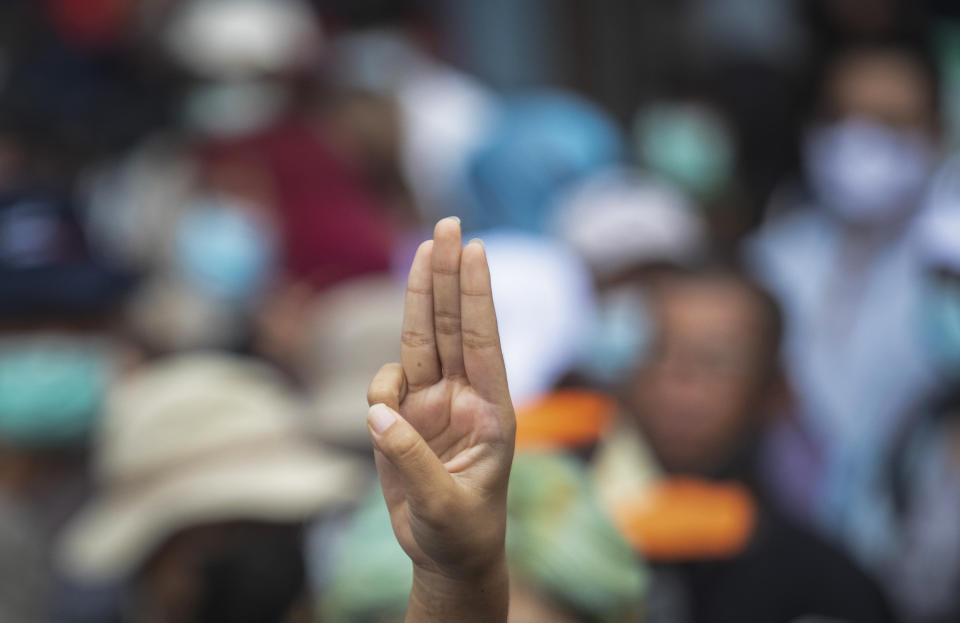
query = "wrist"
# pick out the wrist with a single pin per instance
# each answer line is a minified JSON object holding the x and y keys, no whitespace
{"x":481,"y":594}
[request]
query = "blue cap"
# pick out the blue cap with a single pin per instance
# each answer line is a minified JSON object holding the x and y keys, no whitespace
{"x":46,"y":266}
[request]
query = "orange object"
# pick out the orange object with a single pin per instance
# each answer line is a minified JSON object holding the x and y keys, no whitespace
{"x":565,"y":419}
{"x":685,"y":518}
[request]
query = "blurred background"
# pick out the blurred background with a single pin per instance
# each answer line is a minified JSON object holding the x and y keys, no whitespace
{"x":724,"y":239}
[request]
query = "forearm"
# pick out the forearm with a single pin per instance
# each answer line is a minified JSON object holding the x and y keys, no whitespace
{"x":436,"y":598}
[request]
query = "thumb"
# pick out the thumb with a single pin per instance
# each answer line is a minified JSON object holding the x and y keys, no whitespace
{"x":423,"y":476}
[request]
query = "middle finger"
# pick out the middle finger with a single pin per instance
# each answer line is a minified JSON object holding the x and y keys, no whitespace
{"x":446,"y":295}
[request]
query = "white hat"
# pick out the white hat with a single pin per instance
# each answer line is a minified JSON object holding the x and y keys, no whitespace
{"x":355,"y":329}
{"x":239,"y":38}
{"x":545,"y":305}
{"x":197,"y":439}
{"x":619,"y":218}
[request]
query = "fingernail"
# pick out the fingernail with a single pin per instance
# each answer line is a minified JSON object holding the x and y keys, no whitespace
{"x":455,"y":218}
{"x":380,"y":417}
{"x":478,"y":241}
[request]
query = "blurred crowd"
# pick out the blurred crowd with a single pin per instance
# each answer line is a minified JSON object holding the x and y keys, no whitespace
{"x":724,"y":240}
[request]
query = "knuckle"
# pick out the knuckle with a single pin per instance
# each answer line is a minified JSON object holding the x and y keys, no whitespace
{"x":478,"y":340}
{"x":446,"y":323}
{"x":415,"y":339}
{"x":419,"y":291}
{"x":449,"y":270}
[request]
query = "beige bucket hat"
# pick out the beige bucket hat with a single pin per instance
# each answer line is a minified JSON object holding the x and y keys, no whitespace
{"x":196,"y":439}
{"x":354,"y":329}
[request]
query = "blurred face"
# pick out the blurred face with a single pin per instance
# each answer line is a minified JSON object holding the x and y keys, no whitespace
{"x":870,"y":154}
{"x":886,"y":87}
{"x":700,"y":394}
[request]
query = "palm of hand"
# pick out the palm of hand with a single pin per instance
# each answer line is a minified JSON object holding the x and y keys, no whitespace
{"x":455,"y":422}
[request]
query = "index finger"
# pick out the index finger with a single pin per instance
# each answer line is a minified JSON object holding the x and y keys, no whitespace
{"x":482,"y":356}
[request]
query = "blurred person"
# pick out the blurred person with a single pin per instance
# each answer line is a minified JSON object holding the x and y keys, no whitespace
{"x":243,"y":58}
{"x":252,"y":111}
{"x":224,"y":53}
{"x":206,"y":480}
{"x":211,"y":254}
{"x":58,"y":304}
{"x":840,"y":263}
{"x":697,"y":409}
{"x":331,"y":226}
{"x":60,"y":348}
{"x":692,"y":143}
{"x":133,"y":201}
{"x":568,"y":563}
{"x":246,"y":202}
{"x":220,"y":263}
{"x":920,"y":488}
{"x":626,"y":225}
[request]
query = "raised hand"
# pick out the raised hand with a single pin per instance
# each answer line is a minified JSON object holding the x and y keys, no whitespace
{"x":443,"y":430}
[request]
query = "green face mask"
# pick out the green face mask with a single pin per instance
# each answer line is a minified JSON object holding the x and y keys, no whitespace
{"x":686,"y":145}
{"x":51,"y":388}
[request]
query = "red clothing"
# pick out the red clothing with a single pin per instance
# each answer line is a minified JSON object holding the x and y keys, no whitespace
{"x":332,"y":227}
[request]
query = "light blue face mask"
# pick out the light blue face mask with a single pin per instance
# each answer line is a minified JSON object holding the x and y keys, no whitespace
{"x":619,"y":338}
{"x":51,"y":388}
{"x":224,"y":251}
{"x":941,"y":317}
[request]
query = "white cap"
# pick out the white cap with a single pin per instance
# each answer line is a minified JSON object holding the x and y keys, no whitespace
{"x":619,"y":218}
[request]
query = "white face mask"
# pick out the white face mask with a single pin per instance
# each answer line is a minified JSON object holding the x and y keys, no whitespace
{"x":867,"y":172}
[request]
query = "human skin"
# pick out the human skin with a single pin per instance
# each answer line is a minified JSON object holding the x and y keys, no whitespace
{"x":443,"y":430}
{"x":704,"y":389}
